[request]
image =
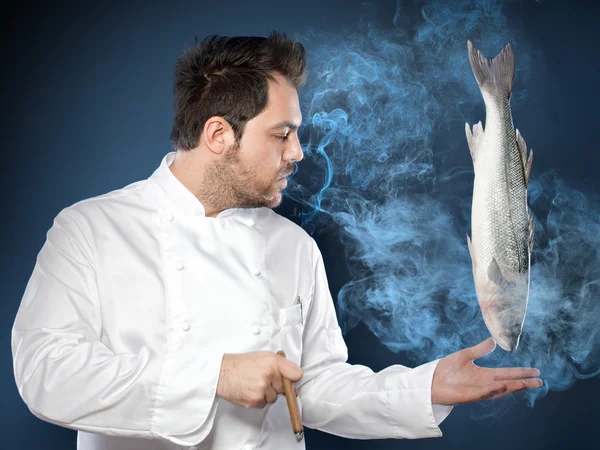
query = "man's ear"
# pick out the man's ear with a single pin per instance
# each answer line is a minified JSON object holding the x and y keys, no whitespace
{"x":218,"y":134}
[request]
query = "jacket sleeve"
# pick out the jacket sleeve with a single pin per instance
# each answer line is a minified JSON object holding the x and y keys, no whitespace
{"x":351,"y":400}
{"x":67,"y":376}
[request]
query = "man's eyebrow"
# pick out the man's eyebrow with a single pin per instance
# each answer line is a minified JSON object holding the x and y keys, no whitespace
{"x":285,"y":124}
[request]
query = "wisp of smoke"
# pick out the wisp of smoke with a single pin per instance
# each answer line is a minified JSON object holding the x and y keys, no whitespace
{"x":376,"y":100}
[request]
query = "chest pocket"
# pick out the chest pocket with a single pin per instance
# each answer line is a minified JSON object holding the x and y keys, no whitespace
{"x":291,"y":324}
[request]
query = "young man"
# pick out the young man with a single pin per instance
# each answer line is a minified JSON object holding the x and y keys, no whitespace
{"x":154,"y":312}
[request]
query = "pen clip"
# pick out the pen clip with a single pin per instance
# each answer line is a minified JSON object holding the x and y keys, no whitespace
{"x":298,"y":302}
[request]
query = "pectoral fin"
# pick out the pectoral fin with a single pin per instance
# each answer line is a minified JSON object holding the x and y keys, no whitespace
{"x":472,"y":253}
{"x":531,"y":231}
{"x":494,"y":272}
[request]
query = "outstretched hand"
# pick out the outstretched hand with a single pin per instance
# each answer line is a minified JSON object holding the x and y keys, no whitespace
{"x":458,"y":380}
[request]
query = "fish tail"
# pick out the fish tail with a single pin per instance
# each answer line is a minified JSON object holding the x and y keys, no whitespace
{"x":495,"y":74}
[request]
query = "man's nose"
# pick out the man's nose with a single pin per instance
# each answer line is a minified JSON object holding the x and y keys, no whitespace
{"x":296,"y":152}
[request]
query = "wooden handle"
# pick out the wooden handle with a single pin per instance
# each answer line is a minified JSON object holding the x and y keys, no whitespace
{"x":292,"y":402}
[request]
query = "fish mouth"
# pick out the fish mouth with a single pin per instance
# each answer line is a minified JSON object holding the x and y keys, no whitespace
{"x":508,"y":341}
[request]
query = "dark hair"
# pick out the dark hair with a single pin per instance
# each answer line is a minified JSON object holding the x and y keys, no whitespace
{"x":228,"y":77}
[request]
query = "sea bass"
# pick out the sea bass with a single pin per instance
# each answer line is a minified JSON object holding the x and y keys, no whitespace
{"x":501,"y":227}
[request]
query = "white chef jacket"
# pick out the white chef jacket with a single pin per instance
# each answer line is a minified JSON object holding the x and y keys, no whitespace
{"x":136,"y":296}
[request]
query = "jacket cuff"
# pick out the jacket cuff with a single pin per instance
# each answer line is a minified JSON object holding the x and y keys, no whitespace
{"x":422,"y":418}
{"x":185,"y":398}
{"x":440,"y":412}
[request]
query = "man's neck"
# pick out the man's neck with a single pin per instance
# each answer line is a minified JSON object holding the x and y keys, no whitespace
{"x":189,"y":168}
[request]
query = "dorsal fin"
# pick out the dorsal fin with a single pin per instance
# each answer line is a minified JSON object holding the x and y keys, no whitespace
{"x":472,"y":253}
{"x":474,"y":139}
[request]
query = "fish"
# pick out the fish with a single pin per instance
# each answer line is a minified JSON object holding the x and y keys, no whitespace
{"x":502,"y":230}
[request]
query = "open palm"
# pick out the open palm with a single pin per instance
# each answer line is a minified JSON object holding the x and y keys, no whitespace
{"x":458,"y":380}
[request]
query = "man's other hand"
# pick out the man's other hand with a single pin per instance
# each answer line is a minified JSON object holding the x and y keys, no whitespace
{"x":458,"y":380}
{"x":254,"y":379}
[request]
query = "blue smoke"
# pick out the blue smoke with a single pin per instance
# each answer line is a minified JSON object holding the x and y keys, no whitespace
{"x":384,"y":111}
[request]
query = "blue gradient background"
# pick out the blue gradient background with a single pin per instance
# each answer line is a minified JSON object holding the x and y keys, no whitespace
{"x":86,"y":98}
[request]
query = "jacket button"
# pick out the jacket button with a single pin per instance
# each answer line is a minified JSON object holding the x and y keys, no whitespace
{"x":169,"y":217}
{"x":185,"y":327}
{"x":250,"y":222}
{"x":179,"y":265}
{"x":256,"y":272}
{"x":256,"y":331}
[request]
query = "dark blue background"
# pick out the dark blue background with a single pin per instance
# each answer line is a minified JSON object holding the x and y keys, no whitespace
{"x":86,"y":108}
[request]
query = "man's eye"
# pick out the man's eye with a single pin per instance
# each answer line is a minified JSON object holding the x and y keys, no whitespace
{"x":281,"y":138}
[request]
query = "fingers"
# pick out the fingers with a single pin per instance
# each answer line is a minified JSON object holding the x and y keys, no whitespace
{"x":277,"y":384}
{"x":483,"y":348}
{"x":272,"y":383}
{"x":514,"y":373}
{"x":500,"y":389}
{"x":271,"y":396}
{"x":521,"y":385}
{"x":288,"y":369}
{"x":495,"y":390}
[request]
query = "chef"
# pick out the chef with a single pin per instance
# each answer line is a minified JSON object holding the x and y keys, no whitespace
{"x":154,"y":312}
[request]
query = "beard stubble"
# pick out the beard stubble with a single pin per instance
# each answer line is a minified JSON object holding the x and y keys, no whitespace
{"x":229,"y":184}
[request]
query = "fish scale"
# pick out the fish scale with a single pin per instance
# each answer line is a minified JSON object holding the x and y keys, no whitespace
{"x":501,"y":217}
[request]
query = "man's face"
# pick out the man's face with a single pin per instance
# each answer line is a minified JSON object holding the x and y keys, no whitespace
{"x":256,"y":167}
